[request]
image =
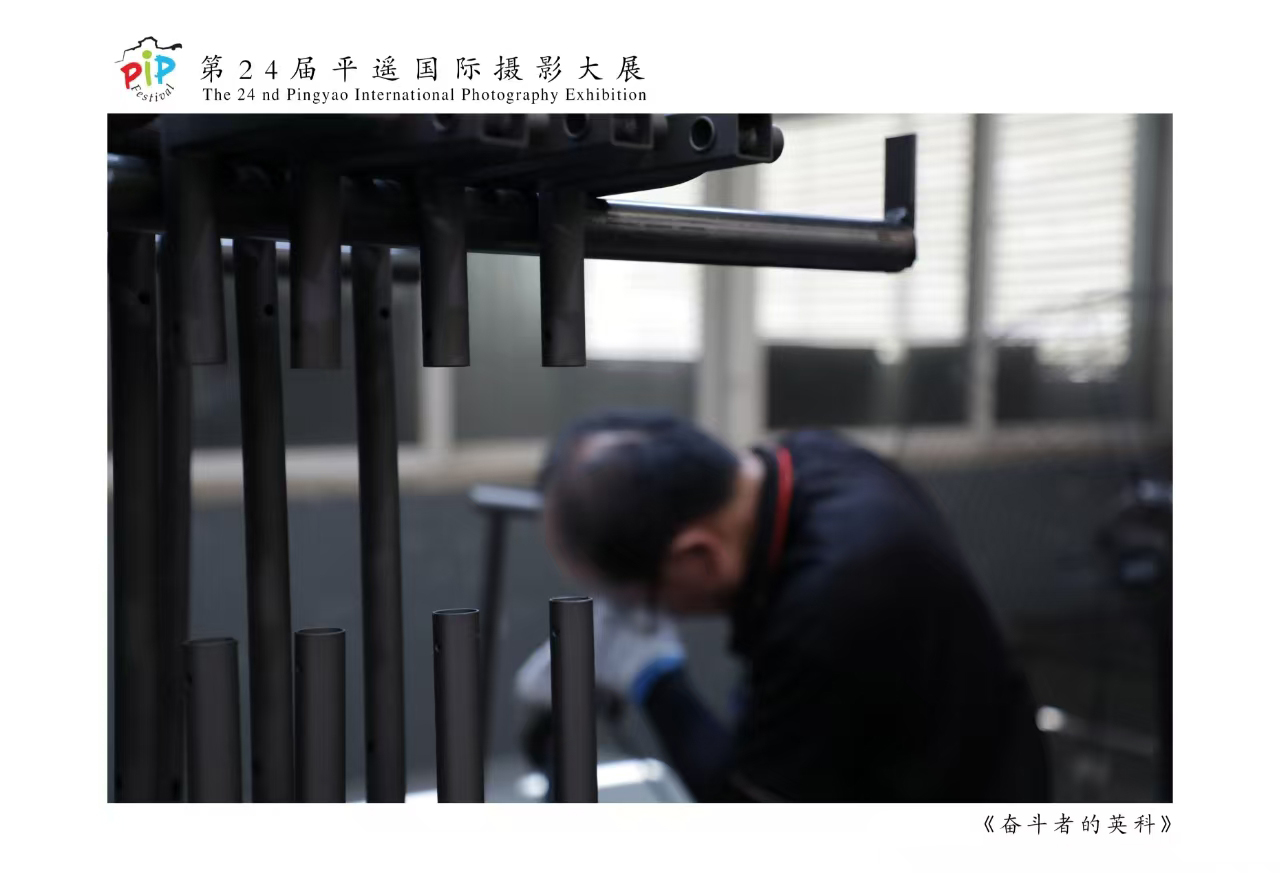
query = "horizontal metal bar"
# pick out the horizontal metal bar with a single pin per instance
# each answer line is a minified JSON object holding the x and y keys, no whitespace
{"x":507,"y":223}
{"x":601,"y":155}
{"x":499,"y":498}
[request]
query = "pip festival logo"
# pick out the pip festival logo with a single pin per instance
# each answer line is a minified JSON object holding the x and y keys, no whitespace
{"x":145,"y":68}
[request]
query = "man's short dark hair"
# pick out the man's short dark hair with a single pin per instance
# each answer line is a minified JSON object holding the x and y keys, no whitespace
{"x":618,"y":509}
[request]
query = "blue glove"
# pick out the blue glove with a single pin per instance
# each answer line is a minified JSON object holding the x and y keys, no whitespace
{"x":634,"y":648}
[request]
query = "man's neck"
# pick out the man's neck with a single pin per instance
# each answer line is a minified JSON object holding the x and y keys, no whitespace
{"x":742,"y":513}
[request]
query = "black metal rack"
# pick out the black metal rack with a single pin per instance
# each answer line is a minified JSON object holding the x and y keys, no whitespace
{"x":446,"y":185}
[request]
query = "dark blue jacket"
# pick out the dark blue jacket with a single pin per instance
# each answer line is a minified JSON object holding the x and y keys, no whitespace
{"x":875,"y":669}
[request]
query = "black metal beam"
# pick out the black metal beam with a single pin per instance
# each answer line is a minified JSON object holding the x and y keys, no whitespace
{"x":687,"y":146}
{"x":174,"y":521}
{"x":575,"y":145}
{"x":459,"y":737}
{"x":446,"y":144}
{"x":573,"y":710}
{"x":507,"y":223}
{"x":213,"y":721}
{"x":321,"y":716}
{"x":266,"y":522}
{"x":131,"y":284}
{"x":379,"y":526}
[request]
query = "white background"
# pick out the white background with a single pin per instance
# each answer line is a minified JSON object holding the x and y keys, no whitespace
{"x":1213,"y":67}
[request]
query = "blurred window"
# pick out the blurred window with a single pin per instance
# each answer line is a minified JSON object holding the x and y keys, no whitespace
{"x":646,"y":311}
{"x":1060,"y":274}
{"x":869,"y":348}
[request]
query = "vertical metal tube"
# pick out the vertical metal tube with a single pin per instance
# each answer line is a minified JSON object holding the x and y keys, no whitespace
{"x":213,"y":721}
{"x":491,"y":617}
{"x":900,"y":180}
{"x":573,"y":711}
{"x":459,"y":739}
{"x":981,"y":373}
{"x":131,"y":283}
{"x":315,"y":278}
{"x":320,"y":697}
{"x":562,"y":269}
{"x":442,"y":230}
{"x":190,"y":180}
{"x":174,"y":521}
{"x":379,"y":526}
{"x":266,"y":522}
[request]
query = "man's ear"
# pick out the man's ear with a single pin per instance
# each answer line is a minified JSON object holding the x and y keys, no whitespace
{"x":695,"y":545}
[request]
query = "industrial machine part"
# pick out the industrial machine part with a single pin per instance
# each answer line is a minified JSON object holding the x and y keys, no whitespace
{"x":213,"y":720}
{"x":459,"y":741}
{"x":446,"y":185}
{"x":320,"y":699}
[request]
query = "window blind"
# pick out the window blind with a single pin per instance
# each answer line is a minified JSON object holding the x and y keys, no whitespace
{"x":834,"y":165}
{"x":1061,"y":238}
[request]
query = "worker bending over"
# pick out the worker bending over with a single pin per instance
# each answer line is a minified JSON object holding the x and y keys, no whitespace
{"x":874,"y":669}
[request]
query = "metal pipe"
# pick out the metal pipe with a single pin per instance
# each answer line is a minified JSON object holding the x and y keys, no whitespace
{"x":131,"y":284}
{"x":320,"y":654}
{"x":459,"y":738}
{"x":213,"y":721}
{"x":190,"y":210}
{"x":573,"y":710}
{"x":174,"y":520}
{"x":508,"y":224}
{"x":379,"y":526}
{"x":505,"y":499}
{"x":266,"y":522}
{"x":561,"y":267}
{"x":900,"y":180}
{"x":442,"y":217}
{"x":315,"y":283}
{"x":491,"y":617}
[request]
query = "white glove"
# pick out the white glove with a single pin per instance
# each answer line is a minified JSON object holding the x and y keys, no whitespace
{"x":633,"y":649}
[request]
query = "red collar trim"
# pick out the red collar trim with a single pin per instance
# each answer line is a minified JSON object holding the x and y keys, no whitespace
{"x":782,"y":511}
